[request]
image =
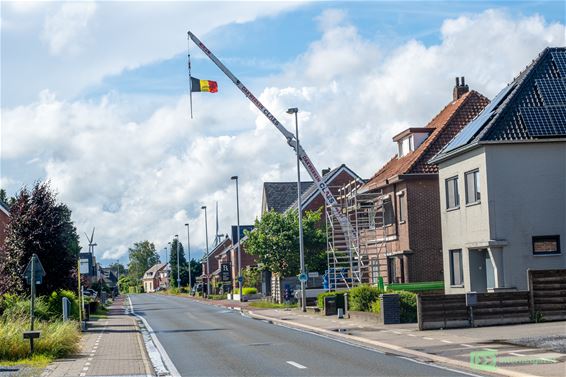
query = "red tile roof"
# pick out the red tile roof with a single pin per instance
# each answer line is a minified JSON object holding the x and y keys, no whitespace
{"x":446,"y":124}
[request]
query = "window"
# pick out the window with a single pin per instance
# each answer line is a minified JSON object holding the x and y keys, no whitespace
{"x":405,"y":146}
{"x":472,"y":186}
{"x":452,"y":197}
{"x":545,"y":245}
{"x":371,"y":217}
{"x":388,"y":214}
{"x":402,"y":207}
{"x":456,"y":269}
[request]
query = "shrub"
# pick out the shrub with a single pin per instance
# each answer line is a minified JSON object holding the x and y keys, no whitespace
{"x":55,"y":304}
{"x":249,"y":291}
{"x":19,"y":307}
{"x":408,"y":301}
{"x":321,"y":296}
{"x":375,"y":307}
{"x":58,"y":339}
{"x":361,"y":297}
{"x":217,"y":297}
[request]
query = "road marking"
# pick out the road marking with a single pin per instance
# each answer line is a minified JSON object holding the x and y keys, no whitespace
{"x":411,"y":334}
{"x":85,"y":369}
{"x":545,"y":359}
{"x":90,"y":359}
{"x":446,"y":341}
{"x":427,"y":338}
{"x":396,"y":332}
{"x":467,"y":345}
{"x":82,"y":374}
{"x":516,"y":354}
{"x":296,"y":365}
{"x":87,"y":364}
{"x":162,"y":356}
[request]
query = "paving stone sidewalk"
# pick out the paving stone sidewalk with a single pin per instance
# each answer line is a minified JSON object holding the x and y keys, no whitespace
{"x":111,"y":346}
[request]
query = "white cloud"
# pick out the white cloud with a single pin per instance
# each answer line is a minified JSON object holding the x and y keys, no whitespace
{"x":144,"y":179}
{"x":65,"y":30}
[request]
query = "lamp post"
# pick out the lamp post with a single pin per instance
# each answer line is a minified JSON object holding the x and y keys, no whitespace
{"x":178,"y":267}
{"x":189,"y":255}
{"x":240,"y":280}
{"x":295,"y":111}
{"x":207,"y":263}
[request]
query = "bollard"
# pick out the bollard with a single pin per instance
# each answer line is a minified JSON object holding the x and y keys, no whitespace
{"x":66,"y":308}
{"x":340,"y":313}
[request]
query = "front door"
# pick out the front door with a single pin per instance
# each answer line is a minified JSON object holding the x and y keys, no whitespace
{"x":489,"y":272}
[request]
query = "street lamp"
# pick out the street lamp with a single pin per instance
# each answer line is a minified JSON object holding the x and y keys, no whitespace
{"x":189,"y":254}
{"x":240,"y":279}
{"x":178,"y":267}
{"x":295,"y":110}
{"x":207,"y":263}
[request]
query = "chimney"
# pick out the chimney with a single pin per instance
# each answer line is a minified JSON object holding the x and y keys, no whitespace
{"x":460,"y":88}
{"x":325,"y":171}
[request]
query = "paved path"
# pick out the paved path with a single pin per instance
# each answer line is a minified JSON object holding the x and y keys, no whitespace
{"x":206,"y":340}
{"x":110,"y":347}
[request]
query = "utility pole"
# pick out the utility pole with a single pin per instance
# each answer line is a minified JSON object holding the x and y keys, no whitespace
{"x":178,"y":267}
{"x":207,"y":262}
{"x":189,"y":254}
{"x":295,"y":111}
{"x":240,"y":279}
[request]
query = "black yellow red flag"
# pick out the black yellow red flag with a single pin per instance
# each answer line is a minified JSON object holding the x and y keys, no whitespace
{"x":203,"y":85}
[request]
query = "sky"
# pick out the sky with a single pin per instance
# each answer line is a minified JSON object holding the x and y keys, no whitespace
{"x":94,"y":98}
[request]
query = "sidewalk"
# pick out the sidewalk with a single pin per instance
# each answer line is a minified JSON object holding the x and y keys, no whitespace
{"x":453,"y":347}
{"x":111,"y":346}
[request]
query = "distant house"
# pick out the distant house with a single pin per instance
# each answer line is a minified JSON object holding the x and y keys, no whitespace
{"x":156,"y":277}
{"x":213,"y":262}
{"x":279,"y":196}
{"x":503,"y":184}
{"x":108,"y":277}
{"x":402,"y":239}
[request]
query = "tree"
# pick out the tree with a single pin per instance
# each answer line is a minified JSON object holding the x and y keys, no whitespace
{"x":117,"y":269}
{"x":275,"y":242}
{"x":183,"y":272}
{"x":142,"y":257}
{"x":196,"y":270}
{"x":252,"y":277}
{"x":39,"y":224}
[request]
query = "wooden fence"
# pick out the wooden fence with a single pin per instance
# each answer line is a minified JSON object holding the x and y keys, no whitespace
{"x":544,"y":301}
{"x":548,"y":294}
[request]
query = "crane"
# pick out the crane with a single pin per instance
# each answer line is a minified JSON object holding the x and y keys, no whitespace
{"x":291,"y":140}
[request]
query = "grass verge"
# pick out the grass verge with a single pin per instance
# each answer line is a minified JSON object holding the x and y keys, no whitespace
{"x":270,"y":305}
{"x":36,"y":361}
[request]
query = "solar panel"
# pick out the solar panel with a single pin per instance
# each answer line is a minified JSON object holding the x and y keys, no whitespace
{"x":558,"y":117}
{"x":469,"y":131}
{"x":552,"y":91}
{"x":559,"y":58}
{"x":537,"y":120}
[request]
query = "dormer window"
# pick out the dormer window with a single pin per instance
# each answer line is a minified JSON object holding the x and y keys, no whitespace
{"x":411,"y":139}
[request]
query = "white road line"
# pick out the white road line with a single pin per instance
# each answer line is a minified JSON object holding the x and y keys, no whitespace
{"x":82,"y":374}
{"x":87,"y":364}
{"x":427,"y":338}
{"x":545,"y":359}
{"x":163,"y":356}
{"x":411,"y":334}
{"x":296,"y":365}
{"x":467,"y":345}
{"x":446,"y":341}
{"x":90,"y":359}
{"x":396,"y":332}
{"x":85,"y":369}
{"x":516,"y":354}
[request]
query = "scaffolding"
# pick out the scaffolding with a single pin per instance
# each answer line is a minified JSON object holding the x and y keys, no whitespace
{"x":355,"y":259}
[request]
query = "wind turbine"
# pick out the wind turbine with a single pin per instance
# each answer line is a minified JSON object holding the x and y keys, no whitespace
{"x":91,"y":245}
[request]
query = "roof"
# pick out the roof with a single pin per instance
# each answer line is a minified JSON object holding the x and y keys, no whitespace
{"x":280,"y":195}
{"x":155,"y":268}
{"x":312,"y":191}
{"x":226,"y":242}
{"x":4,"y":208}
{"x":532,"y":108}
{"x":445,"y":125}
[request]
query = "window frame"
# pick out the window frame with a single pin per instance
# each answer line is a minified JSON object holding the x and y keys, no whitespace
{"x":385,"y":212}
{"x":456,"y":193}
{"x":453,"y":282}
{"x":402,"y":207}
{"x":476,"y":188}
{"x":554,"y":237}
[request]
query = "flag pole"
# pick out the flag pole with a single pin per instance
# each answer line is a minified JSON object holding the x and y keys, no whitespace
{"x":190,"y":77}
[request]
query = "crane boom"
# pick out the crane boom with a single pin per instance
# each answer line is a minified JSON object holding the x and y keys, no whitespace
{"x":291,"y":140}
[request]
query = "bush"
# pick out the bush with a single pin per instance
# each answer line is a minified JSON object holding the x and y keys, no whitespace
{"x":58,"y":339}
{"x":408,"y":302}
{"x":19,"y":307}
{"x":361,"y":297}
{"x":217,"y":297}
{"x":375,"y":307}
{"x":55,"y":304}
{"x":321,"y":296}
{"x":249,"y":291}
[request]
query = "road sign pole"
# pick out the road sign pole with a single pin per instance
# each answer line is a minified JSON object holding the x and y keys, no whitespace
{"x":32,"y":281}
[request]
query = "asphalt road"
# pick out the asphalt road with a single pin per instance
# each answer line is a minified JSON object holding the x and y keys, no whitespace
{"x":205,"y":340}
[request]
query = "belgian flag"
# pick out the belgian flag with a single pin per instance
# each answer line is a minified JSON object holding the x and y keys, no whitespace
{"x":203,"y":85}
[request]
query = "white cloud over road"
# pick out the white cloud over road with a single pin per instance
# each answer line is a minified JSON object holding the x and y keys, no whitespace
{"x":144,"y":179}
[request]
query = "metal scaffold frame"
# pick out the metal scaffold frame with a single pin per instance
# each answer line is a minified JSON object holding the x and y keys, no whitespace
{"x":349,"y":259}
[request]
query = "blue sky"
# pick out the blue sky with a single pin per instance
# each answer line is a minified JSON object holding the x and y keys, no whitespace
{"x":94,"y":96}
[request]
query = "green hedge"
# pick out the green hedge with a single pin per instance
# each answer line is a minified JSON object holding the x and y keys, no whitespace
{"x":408,"y":301}
{"x":55,"y":303}
{"x":247,"y":291}
{"x":417,"y":287}
{"x":361,"y":297}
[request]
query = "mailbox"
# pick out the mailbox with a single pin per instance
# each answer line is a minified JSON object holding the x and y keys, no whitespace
{"x":471,"y":298}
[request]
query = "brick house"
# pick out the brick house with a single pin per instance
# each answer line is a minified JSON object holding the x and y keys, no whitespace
{"x":503,"y":184}
{"x":405,"y":243}
{"x":156,"y":277}
{"x":4,"y":221}
{"x":214,"y":258}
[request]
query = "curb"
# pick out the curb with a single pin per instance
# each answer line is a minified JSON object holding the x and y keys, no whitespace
{"x":401,"y":350}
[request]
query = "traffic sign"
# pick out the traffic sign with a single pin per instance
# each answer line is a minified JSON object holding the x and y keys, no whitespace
{"x":303,"y":278}
{"x":39,"y":271}
{"x":240,"y":279}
